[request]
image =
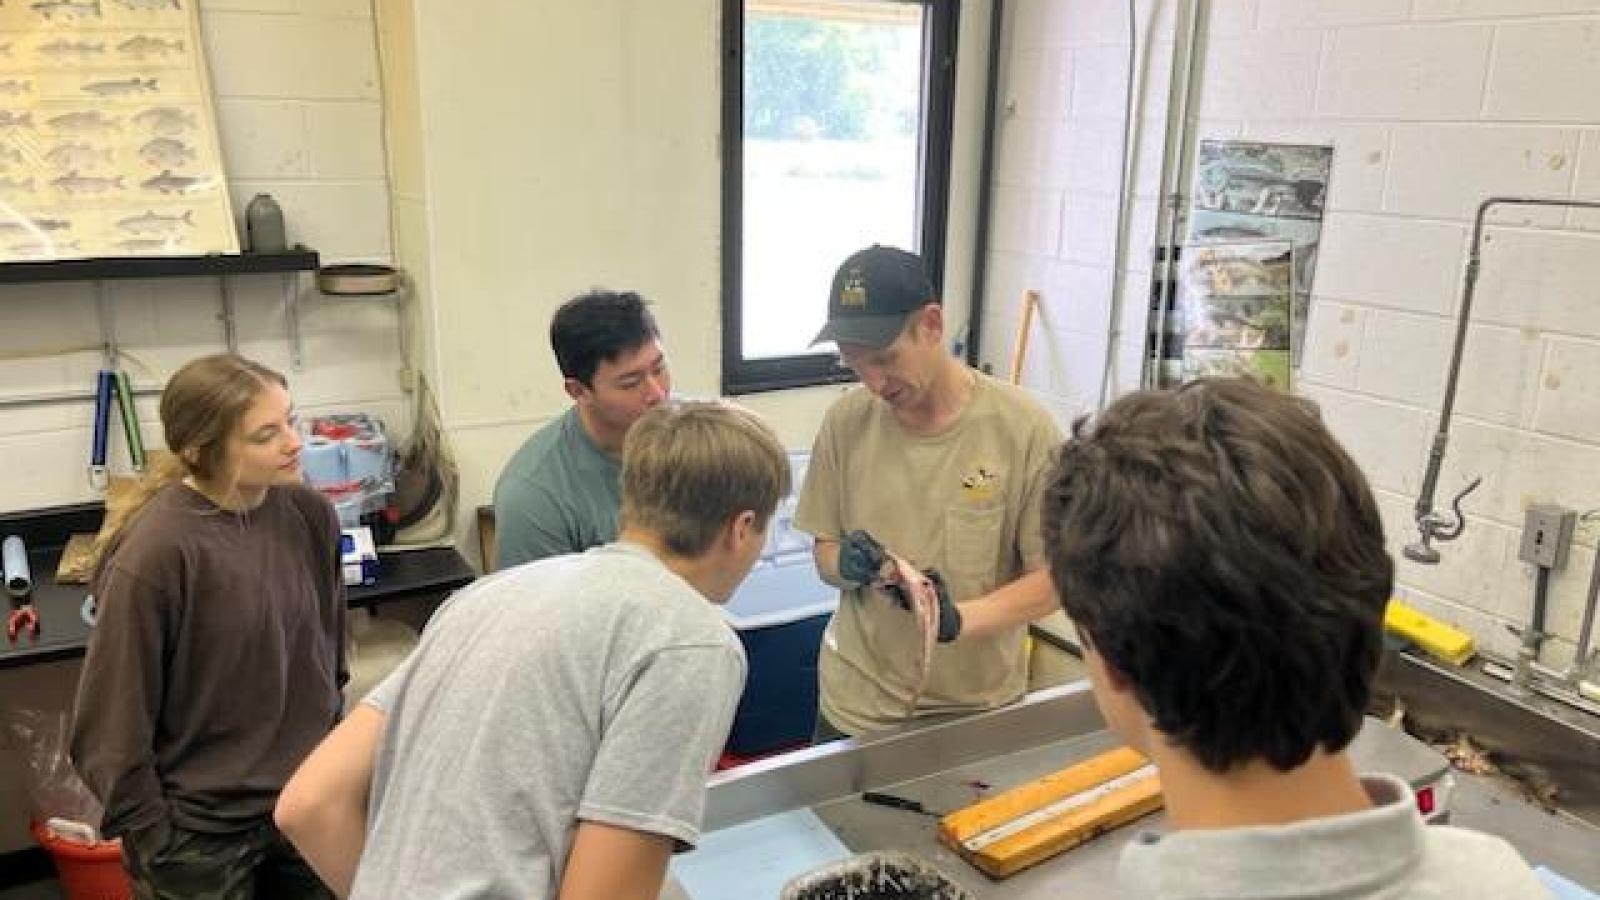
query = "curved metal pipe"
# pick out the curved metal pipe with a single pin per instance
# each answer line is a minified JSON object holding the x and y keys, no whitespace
{"x":1431,"y":524}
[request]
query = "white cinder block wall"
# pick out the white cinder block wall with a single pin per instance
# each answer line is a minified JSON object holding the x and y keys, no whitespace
{"x":298,"y":103}
{"x":1431,"y":105}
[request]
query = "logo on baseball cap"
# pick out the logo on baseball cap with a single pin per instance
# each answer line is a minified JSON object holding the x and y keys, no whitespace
{"x":873,"y":292}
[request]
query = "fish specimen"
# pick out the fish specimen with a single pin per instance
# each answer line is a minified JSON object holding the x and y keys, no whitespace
{"x":168,"y":183}
{"x":147,"y":245}
{"x":61,"y":48}
{"x":43,"y":248}
{"x":75,"y":155}
{"x":151,"y":222}
{"x":165,"y":120}
{"x":144,"y":45}
{"x":121,"y":87}
{"x":84,"y":122}
{"x":73,"y":183}
{"x":49,"y":8}
{"x":166,"y":153}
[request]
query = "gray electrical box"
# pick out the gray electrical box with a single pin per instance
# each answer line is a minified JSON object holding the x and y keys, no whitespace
{"x":1546,"y":535}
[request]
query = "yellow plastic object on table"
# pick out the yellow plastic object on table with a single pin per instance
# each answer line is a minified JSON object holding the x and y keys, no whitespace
{"x":1037,"y":820}
{"x":1428,"y":634}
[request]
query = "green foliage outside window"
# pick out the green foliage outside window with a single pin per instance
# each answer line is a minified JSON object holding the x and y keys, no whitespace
{"x":815,"y":79}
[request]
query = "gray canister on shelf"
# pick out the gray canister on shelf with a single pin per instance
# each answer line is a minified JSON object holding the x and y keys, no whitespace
{"x":263,"y":225}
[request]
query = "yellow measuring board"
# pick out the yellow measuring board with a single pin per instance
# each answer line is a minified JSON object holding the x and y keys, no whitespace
{"x":1032,"y":822}
{"x":1428,"y":634}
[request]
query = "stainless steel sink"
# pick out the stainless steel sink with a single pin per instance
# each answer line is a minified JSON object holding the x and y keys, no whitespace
{"x":1550,"y":749}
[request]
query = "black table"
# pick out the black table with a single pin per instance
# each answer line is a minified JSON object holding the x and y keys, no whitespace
{"x":64,"y":633}
{"x":410,"y":573}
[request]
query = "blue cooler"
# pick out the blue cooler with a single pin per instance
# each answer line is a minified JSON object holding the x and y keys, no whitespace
{"x":780,"y":612}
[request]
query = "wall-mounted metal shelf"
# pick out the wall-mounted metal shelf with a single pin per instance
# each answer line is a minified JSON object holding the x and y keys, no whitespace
{"x":289,"y":264}
{"x":300,"y":259}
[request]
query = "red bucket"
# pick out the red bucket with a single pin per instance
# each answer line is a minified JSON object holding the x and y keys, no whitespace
{"x":88,"y":872}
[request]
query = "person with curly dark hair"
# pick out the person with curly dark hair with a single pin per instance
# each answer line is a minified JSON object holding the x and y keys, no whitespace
{"x":1224,"y":561}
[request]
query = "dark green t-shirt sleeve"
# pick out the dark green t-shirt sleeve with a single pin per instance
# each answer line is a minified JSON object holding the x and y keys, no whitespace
{"x":529,"y":524}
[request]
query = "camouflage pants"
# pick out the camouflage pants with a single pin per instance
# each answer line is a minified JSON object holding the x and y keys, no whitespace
{"x":166,"y":862}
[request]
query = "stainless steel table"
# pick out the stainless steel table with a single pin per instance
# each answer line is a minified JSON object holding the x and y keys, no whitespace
{"x":935,"y":764}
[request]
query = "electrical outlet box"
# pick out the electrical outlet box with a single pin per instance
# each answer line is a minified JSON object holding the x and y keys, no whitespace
{"x":1546,"y":535}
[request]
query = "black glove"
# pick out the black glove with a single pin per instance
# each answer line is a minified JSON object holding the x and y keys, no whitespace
{"x":949,"y":613}
{"x":860,"y":558}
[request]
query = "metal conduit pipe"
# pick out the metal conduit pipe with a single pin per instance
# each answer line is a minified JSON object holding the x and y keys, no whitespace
{"x":980,"y":240}
{"x":1580,"y":657}
{"x":1179,"y":95}
{"x":1130,"y":131}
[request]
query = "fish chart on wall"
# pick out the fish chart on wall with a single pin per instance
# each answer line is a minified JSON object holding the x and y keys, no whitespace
{"x":108,"y":139}
{"x":1248,"y":191}
{"x":1238,"y":311}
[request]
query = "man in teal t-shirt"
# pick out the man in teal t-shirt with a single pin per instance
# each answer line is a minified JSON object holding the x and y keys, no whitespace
{"x":559,"y":493}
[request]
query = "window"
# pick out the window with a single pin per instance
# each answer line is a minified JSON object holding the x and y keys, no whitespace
{"x":836,"y":135}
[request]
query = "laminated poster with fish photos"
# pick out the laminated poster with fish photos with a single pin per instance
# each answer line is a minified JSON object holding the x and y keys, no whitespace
{"x":1248,"y":190}
{"x":108,"y":139}
{"x":1237,"y":305}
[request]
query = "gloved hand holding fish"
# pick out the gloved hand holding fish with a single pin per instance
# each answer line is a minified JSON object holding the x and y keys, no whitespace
{"x":864,"y":561}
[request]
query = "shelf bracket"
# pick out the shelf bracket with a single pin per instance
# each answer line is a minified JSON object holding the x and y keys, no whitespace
{"x":108,"y":327}
{"x":230,"y":332}
{"x":291,"y":308}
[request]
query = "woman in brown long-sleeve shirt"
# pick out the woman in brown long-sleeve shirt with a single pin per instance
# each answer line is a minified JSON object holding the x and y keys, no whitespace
{"x":218,"y":656}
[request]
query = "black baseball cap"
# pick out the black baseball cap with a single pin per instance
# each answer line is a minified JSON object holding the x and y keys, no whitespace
{"x":873,"y":292}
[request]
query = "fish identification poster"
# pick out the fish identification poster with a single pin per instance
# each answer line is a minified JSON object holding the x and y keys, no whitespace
{"x":108,"y":138}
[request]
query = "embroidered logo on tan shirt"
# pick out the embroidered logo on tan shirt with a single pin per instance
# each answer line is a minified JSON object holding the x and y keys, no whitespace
{"x":980,"y":483}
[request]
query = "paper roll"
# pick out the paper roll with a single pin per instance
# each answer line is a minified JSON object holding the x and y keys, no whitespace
{"x":322,"y":462}
{"x":19,"y":580}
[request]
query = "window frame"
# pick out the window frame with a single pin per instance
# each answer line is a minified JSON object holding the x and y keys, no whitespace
{"x":746,"y":376}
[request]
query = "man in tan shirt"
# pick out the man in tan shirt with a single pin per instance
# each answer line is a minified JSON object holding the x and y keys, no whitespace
{"x":943,"y":467}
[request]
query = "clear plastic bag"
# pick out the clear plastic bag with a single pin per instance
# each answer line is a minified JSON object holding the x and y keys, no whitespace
{"x":41,"y":738}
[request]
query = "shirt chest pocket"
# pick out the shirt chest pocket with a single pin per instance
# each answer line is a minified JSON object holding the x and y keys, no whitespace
{"x":972,"y":543}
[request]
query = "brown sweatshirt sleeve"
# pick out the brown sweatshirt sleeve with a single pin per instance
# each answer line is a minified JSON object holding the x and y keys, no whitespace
{"x":119,"y":700}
